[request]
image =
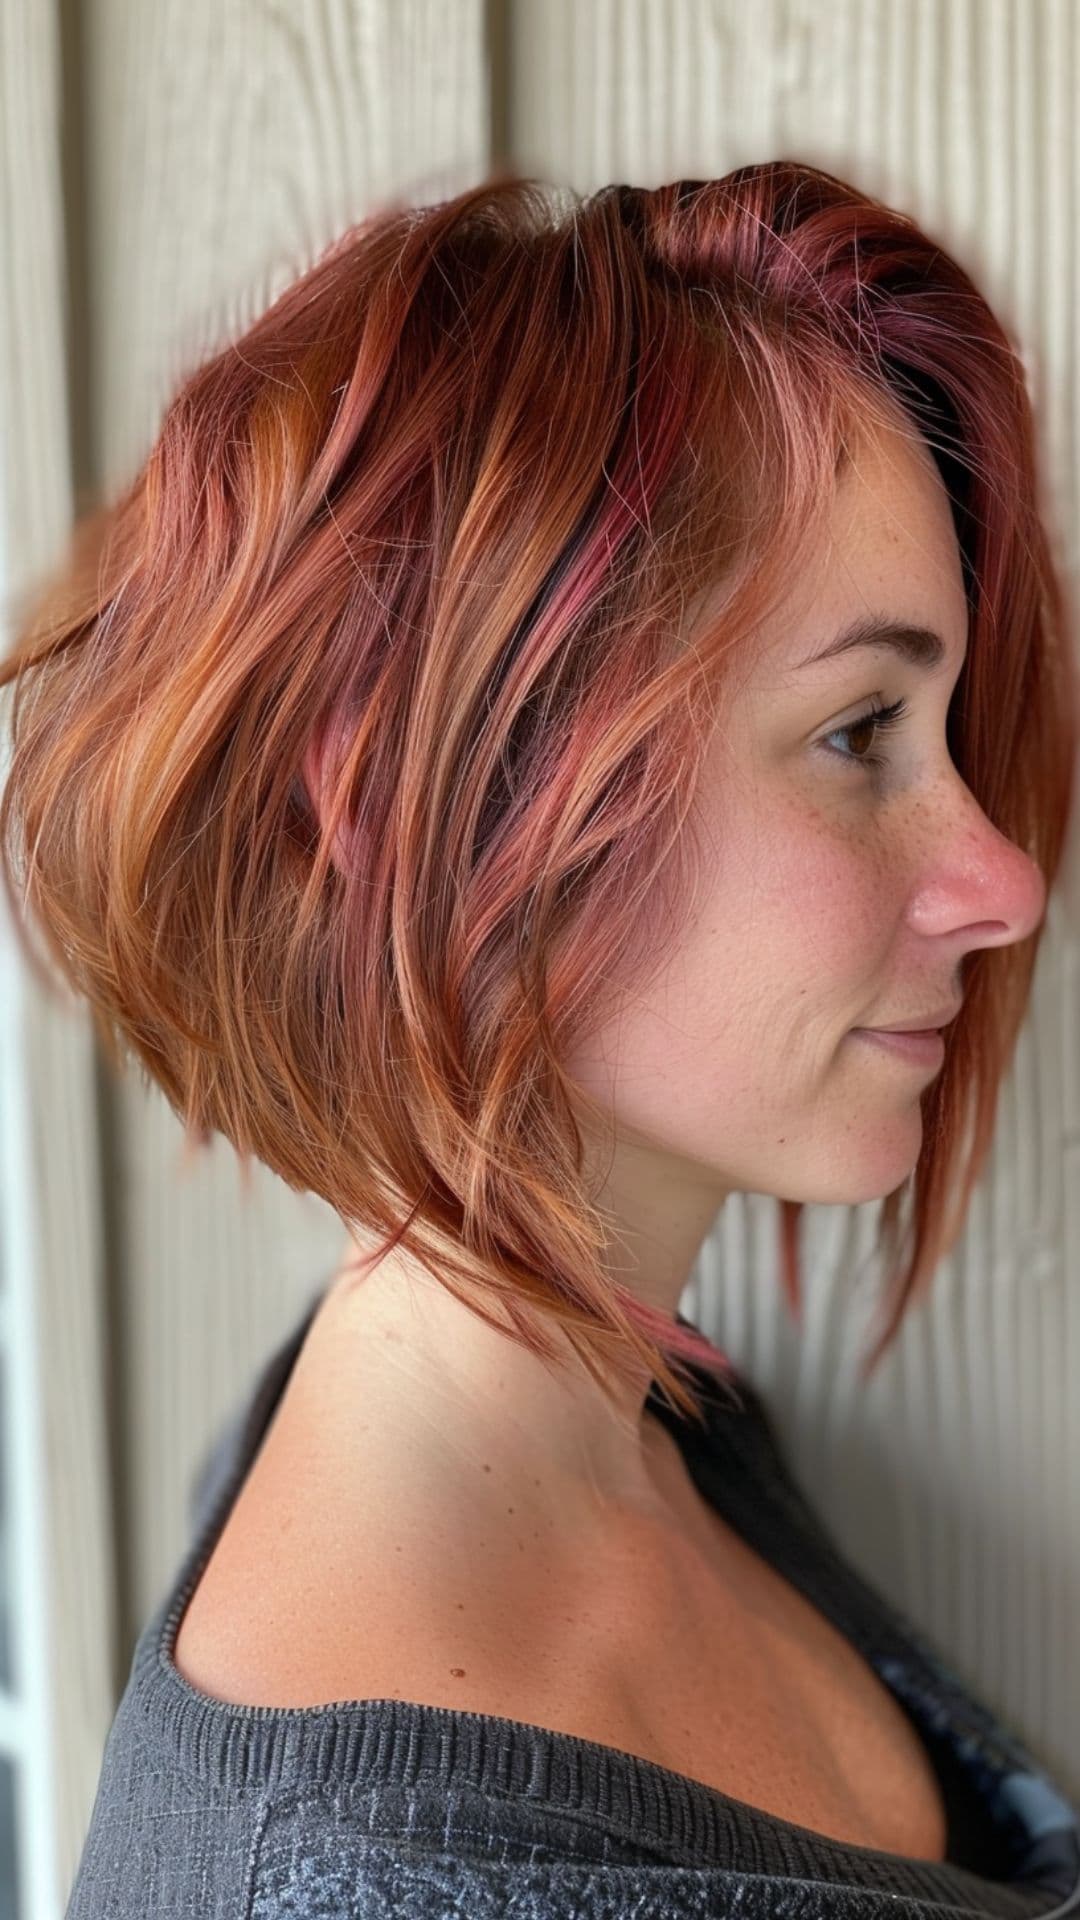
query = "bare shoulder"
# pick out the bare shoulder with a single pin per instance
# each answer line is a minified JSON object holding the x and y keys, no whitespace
{"x":339,"y":1576}
{"x":334,"y":1580}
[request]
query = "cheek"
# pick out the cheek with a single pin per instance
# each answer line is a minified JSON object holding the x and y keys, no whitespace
{"x":761,"y":984}
{"x":793,"y":924}
{"x":790,"y":930}
{"x":737,"y":1055}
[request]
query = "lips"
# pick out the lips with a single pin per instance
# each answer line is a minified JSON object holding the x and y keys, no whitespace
{"x":918,"y":1023}
{"x":923,"y":1047}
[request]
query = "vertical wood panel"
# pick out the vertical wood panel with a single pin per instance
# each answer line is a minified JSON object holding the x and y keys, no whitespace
{"x":955,"y":1479}
{"x":224,"y":146}
{"x":54,"y":1220}
{"x":231,"y":144}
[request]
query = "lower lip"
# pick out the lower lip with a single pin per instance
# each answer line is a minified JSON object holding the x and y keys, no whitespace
{"x":924,"y":1049}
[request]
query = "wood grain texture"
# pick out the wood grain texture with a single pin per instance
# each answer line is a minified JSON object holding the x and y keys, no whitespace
{"x":954,"y":1481}
{"x":166,"y":170}
{"x":53,"y":1227}
{"x":231,"y":145}
{"x":221,"y":148}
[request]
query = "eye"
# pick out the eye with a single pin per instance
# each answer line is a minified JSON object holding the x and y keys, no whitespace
{"x":878,"y":720}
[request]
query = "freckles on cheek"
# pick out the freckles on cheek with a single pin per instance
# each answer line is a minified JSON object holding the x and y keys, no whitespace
{"x":821,"y":882}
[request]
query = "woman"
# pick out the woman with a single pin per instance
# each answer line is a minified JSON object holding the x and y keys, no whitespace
{"x":560,"y":698}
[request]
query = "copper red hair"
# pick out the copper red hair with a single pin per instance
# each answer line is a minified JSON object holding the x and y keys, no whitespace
{"x":354,"y":743}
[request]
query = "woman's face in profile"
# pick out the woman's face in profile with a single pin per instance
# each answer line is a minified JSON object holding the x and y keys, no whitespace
{"x":846,"y":874}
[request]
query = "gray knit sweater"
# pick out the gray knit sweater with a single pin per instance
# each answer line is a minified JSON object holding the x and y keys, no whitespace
{"x":363,"y":1810}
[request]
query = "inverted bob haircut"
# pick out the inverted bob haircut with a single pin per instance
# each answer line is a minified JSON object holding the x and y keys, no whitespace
{"x":353,"y":744}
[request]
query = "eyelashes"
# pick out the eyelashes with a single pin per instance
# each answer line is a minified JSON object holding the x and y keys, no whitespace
{"x":877,"y":721}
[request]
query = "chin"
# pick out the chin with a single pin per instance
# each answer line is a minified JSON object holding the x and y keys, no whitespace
{"x":881,"y":1165}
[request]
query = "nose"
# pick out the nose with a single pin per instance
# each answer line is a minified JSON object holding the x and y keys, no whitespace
{"x":978,"y":884}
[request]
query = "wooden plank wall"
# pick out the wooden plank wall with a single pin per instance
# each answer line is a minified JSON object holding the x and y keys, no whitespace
{"x":218,"y":149}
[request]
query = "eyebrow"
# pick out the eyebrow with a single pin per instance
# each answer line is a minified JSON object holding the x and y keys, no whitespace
{"x":918,"y":646}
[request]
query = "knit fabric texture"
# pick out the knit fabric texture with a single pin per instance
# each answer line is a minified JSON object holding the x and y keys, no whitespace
{"x":363,"y":1810}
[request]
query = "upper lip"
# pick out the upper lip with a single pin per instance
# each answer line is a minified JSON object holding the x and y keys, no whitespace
{"x":921,"y":1022}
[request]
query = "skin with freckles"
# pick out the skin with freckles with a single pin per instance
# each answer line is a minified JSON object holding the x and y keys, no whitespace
{"x":465,"y":1527}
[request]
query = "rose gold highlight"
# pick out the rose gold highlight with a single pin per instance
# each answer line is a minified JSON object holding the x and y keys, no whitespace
{"x":355,"y":742}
